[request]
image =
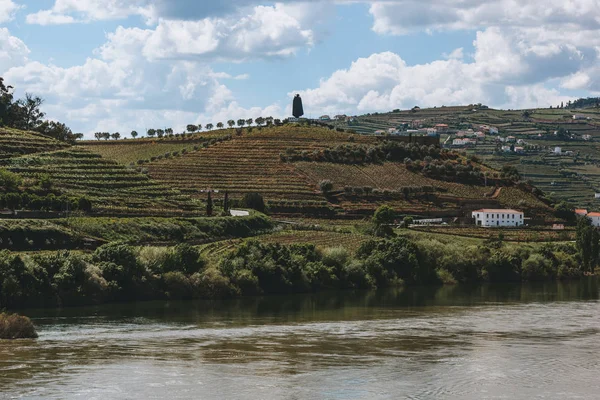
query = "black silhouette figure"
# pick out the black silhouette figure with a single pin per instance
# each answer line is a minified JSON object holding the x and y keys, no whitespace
{"x":297,"y":110}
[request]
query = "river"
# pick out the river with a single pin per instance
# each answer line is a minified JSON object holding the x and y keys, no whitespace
{"x":537,"y":341}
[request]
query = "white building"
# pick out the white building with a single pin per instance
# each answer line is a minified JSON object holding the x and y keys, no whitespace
{"x":595,"y":218}
{"x":492,"y":218}
{"x":493,"y":130}
{"x":580,"y":116}
{"x":557,"y":150}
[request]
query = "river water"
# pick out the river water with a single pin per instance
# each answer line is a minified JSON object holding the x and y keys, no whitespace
{"x":489,"y":342}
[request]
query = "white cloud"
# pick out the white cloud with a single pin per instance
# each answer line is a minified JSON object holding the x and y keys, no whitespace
{"x":578,"y":80}
{"x":399,"y":17}
{"x":384,"y":81}
{"x":13,"y":52}
{"x":80,"y":11}
{"x":8,"y":8}
{"x":264,"y":33}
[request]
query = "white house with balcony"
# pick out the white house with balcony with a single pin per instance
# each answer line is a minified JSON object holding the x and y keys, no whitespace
{"x":498,"y":218}
{"x":595,"y":218}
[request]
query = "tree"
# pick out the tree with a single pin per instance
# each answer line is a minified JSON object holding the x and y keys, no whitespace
{"x":160,"y":133}
{"x":84,"y":204}
{"x":226,"y":202}
{"x":585,"y":243}
{"x":249,"y":121}
{"x":565,"y":211}
{"x":209,"y":204}
{"x":12,"y":201}
{"x":105,"y":135}
{"x":98,"y":135}
{"x":231,"y":123}
{"x":385,"y":215}
{"x":134,"y":134}
{"x":259,"y":121}
{"x":6,"y":101}
{"x":383,"y":219}
{"x":28,"y":113}
{"x":151,"y":132}
{"x":9,"y":181}
{"x":220,"y":125}
{"x":116,"y":136}
{"x":209,"y":127}
{"x":241,"y":122}
{"x":254,"y":201}
{"x":326,"y":186}
{"x":58,"y":131}
{"x":192,"y":128}
{"x":269,"y":121}
{"x":169,"y":131}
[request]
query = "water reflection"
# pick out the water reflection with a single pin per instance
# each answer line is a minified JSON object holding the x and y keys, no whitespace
{"x":508,"y":341}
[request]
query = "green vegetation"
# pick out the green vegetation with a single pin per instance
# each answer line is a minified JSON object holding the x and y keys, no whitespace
{"x":110,"y":187}
{"x":13,"y":326}
{"x":121,"y":272}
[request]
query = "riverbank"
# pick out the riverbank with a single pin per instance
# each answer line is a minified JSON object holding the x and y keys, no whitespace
{"x":119,"y":272}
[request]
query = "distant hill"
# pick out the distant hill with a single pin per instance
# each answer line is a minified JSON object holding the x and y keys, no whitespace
{"x":573,"y":175}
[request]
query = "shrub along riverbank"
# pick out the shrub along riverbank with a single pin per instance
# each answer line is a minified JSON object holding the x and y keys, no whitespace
{"x":120,"y":272}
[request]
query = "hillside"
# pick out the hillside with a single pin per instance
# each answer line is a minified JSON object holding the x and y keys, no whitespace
{"x":147,"y":149}
{"x":256,"y":162}
{"x":112,"y":188}
{"x":14,"y":143}
{"x":573,"y":175}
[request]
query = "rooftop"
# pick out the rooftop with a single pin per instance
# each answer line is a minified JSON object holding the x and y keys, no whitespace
{"x":594,"y":214}
{"x":500,"y":211}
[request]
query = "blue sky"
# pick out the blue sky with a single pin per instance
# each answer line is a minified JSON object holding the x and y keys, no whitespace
{"x":119,"y":65}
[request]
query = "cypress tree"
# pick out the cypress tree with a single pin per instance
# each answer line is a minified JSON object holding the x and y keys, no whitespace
{"x":209,"y":205}
{"x":226,"y":202}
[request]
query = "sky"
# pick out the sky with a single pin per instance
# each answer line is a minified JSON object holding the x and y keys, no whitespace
{"x":123,"y":65}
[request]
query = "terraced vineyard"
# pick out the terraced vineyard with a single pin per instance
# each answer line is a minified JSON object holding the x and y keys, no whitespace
{"x":15,"y":143}
{"x":250,"y":163}
{"x":562,"y":177}
{"x":113,"y":188}
{"x":132,"y":151}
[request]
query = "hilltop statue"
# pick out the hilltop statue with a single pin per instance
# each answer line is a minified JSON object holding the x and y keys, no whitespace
{"x":297,"y":110}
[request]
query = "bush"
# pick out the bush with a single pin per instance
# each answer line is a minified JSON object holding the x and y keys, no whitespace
{"x":13,"y":326}
{"x":9,"y":180}
{"x":254,"y":201}
{"x":84,"y":204}
{"x":326,"y":186}
{"x":183,"y":258}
